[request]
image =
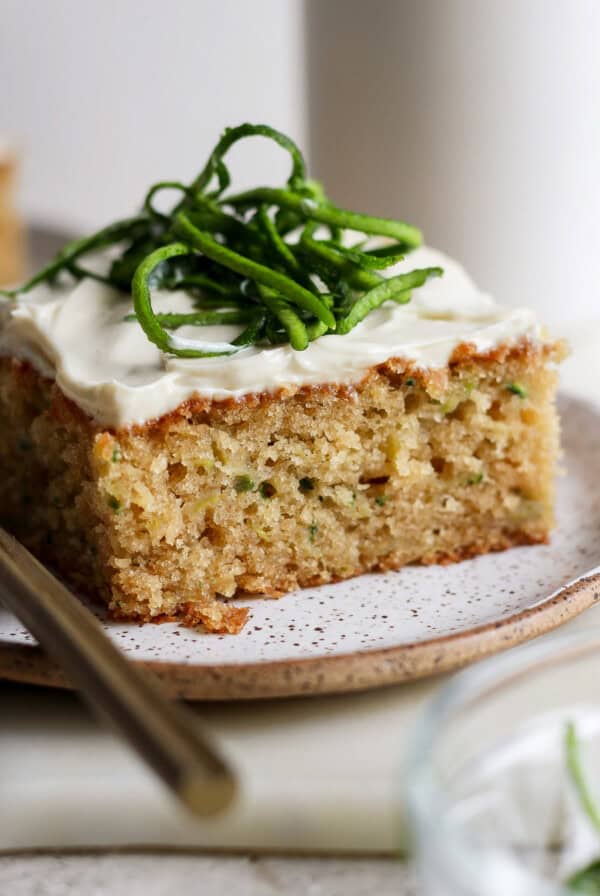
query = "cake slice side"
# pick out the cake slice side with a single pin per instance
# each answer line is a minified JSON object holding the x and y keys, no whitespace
{"x":277,"y":491}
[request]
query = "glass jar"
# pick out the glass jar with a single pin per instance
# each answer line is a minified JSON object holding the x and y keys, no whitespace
{"x":493,"y":808}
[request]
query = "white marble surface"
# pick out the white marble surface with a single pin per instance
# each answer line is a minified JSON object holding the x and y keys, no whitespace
{"x":114,"y":874}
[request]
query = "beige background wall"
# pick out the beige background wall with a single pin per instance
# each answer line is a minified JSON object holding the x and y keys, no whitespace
{"x":477,"y":119}
{"x":106,"y":96}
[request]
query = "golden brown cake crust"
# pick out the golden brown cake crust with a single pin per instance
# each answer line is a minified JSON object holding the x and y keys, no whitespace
{"x":275,"y":491}
{"x":434,"y":380}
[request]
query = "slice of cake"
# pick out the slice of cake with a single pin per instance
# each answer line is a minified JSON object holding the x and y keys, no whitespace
{"x":226,"y":399}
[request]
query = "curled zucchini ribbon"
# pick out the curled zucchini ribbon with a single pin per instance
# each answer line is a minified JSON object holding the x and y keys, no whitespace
{"x":278,"y":262}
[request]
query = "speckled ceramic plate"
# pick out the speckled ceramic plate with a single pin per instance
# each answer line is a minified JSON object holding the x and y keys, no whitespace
{"x":378,"y":629}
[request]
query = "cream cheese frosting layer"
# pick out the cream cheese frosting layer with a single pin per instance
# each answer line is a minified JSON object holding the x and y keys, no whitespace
{"x":107,"y":366}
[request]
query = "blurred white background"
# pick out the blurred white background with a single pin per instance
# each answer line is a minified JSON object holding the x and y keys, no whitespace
{"x":106,"y":96}
{"x":478,"y":120}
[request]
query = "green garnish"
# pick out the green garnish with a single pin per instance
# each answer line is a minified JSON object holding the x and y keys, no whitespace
{"x":574,"y":765}
{"x":276,"y":260}
{"x":114,"y":504}
{"x":267,"y":489}
{"x":410,"y":381}
{"x":381,"y":500}
{"x":587,"y":880}
{"x":312,"y":532}
{"x":243,"y":483}
{"x":517,"y":389}
{"x":475,"y":479}
{"x":116,"y":455}
{"x":306,"y":484}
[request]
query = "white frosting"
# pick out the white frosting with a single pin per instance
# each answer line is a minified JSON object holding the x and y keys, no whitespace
{"x":108,"y":367}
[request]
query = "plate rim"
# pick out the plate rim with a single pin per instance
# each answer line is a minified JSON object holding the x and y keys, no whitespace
{"x":359,"y":670}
